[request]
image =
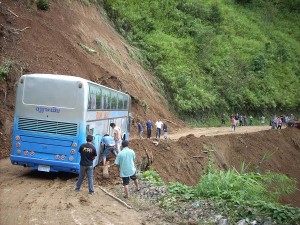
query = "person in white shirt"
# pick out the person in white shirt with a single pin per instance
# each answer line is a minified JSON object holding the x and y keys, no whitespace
{"x":158,"y":125}
{"x":117,"y":136}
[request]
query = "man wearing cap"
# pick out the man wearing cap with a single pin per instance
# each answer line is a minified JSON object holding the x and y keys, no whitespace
{"x":88,"y":153}
{"x":108,"y":145}
{"x":125,"y":162}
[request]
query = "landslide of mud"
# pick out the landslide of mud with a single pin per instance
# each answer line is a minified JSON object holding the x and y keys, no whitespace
{"x":185,"y":160}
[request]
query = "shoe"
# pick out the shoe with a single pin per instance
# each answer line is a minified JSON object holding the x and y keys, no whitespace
{"x":77,"y":190}
{"x":91,"y":192}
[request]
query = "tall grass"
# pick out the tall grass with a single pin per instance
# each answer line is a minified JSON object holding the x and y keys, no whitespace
{"x":232,"y":185}
{"x":243,"y":192}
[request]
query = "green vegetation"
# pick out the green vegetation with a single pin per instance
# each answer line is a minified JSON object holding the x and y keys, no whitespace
{"x":5,"y":68}
{"x":217,"y":56}
{"x":239,"y":194}
{"x":249,"y":194}
{"x":152,"y":176}
{"x":43,"y":4}
{"x":87,"y":49}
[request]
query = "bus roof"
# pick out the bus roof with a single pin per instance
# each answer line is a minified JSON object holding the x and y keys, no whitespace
{"x":67,"y":77}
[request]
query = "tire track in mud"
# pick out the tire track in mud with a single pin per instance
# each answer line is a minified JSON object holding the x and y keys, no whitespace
{"x":49,"y":198}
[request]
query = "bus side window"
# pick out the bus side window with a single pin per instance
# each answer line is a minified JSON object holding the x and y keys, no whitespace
{"x":120,"y":102}
{"x":99,"y":100}
{"x":114,"y":101}
{"x":89,"y":131}
{"x":125,"y":102}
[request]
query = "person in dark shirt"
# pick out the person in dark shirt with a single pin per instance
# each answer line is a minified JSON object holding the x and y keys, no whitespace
{"x":165,"y":128}
{"x":149,"y":127}
{"x":88,"y":153}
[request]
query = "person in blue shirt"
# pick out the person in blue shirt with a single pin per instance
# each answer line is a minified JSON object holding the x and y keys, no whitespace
{"x":149,"y":127}
{"x":108,"y":145}
{"x":125,"y":162}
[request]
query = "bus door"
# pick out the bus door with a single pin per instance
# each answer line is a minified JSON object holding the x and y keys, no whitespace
{"x":90,"y":130}
{"x":97,"y":143}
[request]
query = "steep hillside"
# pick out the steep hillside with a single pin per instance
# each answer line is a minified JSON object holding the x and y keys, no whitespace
{"x":218,"y":56}
{"x":58,"y":41}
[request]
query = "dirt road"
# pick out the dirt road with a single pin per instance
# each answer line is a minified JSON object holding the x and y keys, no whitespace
{"x":28,"y":197}
{"x":213,"y":131}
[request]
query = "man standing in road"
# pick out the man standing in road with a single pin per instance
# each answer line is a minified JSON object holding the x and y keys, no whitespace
{"x":149,"y":128}
{"x":88,"y":153}
{"x":125,"y":162}
{"x":140,"y":129}
{"x":165,"y":128}
{"x":236,"y":117}
{"x":158,"y":125}
{"x":233,"y":123}
{"x":117,"y":136}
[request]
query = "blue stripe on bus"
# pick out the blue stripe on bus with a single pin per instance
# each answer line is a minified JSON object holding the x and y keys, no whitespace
{"x":45,"y":141}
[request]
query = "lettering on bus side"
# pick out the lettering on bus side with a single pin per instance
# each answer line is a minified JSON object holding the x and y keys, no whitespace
{"x":46,"y":109}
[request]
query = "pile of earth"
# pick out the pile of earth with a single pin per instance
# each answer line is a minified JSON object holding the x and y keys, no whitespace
{"x":184,"y":160}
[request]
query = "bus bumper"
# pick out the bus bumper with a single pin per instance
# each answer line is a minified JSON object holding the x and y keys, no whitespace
{"x":45,"y":165}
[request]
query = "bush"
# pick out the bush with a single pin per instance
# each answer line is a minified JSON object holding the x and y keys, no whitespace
{"x":43,"y":4}
{"x":4,"y":70}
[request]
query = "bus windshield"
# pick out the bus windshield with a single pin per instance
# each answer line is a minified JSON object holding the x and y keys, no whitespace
{"x":60,"y":93}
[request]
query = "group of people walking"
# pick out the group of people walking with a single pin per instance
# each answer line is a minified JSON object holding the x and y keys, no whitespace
{"x":125,"y":159}
{"x":239,"y":120}
{"x":278,"y":121}
{"x":275,"y":122}
{"x":159,"y":127}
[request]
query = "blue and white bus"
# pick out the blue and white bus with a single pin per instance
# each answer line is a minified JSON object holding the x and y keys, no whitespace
{"x":55,"y":113}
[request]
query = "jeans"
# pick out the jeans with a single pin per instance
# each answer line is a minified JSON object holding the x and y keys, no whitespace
{"x":158,"y":131}
{"x":141,"y":134}
{"x":89,"y":170}
{"x":148,"y":132}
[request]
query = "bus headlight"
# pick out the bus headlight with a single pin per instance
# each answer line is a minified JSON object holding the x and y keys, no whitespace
{"x":71,"y":158}
{"x":18,"y":144}
{"x":63,"y":157}
{"x":17,"y":138}
{"x":74,"y":144}
{"x":72,"y":151}
{"x":19,"y":152}
{"x":57,"y":156}
{"x":25,"y":152}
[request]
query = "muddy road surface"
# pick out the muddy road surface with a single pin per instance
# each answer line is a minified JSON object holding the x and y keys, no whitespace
{"x":28,"y":197}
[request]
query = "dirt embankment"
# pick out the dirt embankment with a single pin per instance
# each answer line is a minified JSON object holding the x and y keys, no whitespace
{"x":185,"y":159}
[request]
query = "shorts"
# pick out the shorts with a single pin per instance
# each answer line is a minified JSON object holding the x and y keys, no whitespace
{"x":126,"y":179}
{"x":108,"y":150}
